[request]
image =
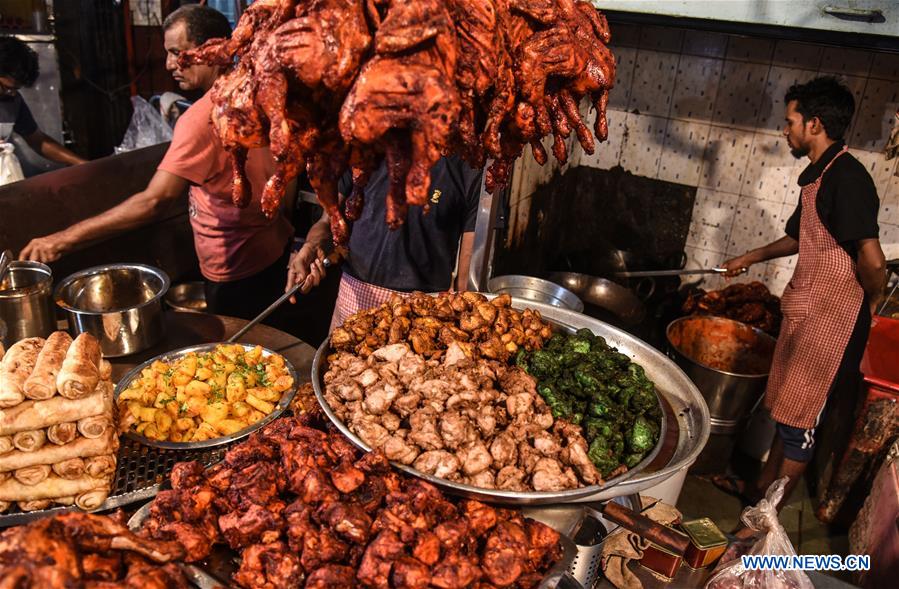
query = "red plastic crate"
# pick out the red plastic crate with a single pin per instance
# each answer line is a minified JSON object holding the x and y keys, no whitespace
{"x":880,"y":363}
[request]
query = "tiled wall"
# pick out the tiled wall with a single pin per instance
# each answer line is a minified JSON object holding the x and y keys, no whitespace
{"x":705,"y":109}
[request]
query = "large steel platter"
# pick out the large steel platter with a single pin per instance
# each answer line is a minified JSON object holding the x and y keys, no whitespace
{"x":689,"y":411}
{"x":175,"y":355}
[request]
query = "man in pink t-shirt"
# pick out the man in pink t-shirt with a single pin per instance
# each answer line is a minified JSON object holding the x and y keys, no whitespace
{"x":243,"y":256}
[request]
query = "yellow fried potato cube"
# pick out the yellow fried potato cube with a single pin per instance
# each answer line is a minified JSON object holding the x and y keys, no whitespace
{"x":148,"y":413}
{"x":255,"y":416}
{"x":141,"y":427}
{"x":163,"y":422}
{"x":253,"y":356}
{"x":196,"y":387}
{"x":282,"y":383}
{"x":219,"y":380}
{"x":265,"y":394}
{"x":172,"y":408}
{"x":152,"y":432}
{"x":240,"y":409}
{"x":203,"y":373}
{"x":183,"y":424}
{"x":214,"y":412}
{"x":260,"y":405}
{"x":162,"y":399}
{"x":236,"y":389}
{"x":226,"y":427}
{"x":195,"y":405}
{"x":205,"y":431}
{"x":159,"y":366}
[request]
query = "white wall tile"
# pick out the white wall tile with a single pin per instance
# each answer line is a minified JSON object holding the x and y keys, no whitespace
{"x":725,"y":159}
{"x":700,"y":258}
{"x":620,"y":94}
{"x":704,"y":44}
{"x":713,"y":217}
{"x":642,"y":147}
{"x":752,"y":49}
{"x":885,"y":66}
{"x":794,"y":192}
{"x":662,"y":38}
{"x":681,"y":159}
{"x":695,"y":87}
{"x":793,"y":54}
{"x":740,"y":94}
{"x":769,"y":169}
{"x":772,"y":108}
{"x":756,"y":223}
{"x":841,"y":60}
{"x":889,"y":202}
{"x":654,"y":74}
{"x":878,"y":166}
{"x":889,"y":239}
{"x":875,"y":115}
{"x":607,"y":154}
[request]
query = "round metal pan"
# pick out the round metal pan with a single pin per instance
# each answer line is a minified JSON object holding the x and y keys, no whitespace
{"x":319,"y":367}
{"x":174,"y":355}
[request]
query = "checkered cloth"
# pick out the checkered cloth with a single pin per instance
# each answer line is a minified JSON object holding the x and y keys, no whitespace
{"x":355,"y":295}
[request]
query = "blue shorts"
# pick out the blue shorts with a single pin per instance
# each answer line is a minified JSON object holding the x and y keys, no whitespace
{"x":798,"y":443}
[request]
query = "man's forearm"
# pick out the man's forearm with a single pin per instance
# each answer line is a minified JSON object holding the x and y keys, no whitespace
{"x":319,"y":235}
{"x":138,"y":210}
{"x":52,"y":150}
{"x":785,"y":246}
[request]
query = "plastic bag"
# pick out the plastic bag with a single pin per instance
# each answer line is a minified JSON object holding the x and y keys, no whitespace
{"x":10,"y":169}
{"x":147,"y":127}
{"x":762,"y":518}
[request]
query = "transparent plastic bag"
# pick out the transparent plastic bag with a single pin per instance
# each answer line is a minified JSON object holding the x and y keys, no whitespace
{"x":10,"y":169}
{"x":147,"y":127}
{"x":762,"y":518}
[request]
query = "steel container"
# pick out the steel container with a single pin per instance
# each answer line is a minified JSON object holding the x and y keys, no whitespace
{"x":603,"y":293}
{"x":26,"y":302}
{"x":119,"y":304}
{"x":728,"y":361}
{"x":689,"y":417}
{"x":187,"y":296}
{"x":536,"y":289}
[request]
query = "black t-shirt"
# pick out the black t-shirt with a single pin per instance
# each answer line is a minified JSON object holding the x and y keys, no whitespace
{"x":14,"y":110}
{"x":847,"y":200}
{"x":421,"y":254}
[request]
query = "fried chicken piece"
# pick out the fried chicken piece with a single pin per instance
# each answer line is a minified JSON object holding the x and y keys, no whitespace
{"x":269,"y":566}
{"x":455,"y":571}
{"x":256,"y":525}
{"x":374,"y":570}
{"x":331,"y":576}
{"x":349,"y":520}
{"x":505,"y":553}
{"x":409,"y":573}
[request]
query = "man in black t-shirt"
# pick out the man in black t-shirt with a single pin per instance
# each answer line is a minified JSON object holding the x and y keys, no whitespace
{"x":838,"y":281}
{"x":420,"y":255}
{"x":18,"y":69}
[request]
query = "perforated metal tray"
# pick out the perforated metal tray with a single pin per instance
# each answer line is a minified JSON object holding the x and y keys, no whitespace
{"x":139,"y":473}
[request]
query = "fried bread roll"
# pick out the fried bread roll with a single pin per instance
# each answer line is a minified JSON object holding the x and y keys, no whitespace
{"x":62,"y":433}
{"x":51,"y":488}
{"x":6,"y":444}
{"x":39,"y":414}
{"x":42,"y":382}
{"x":34,"y":505}
{"x":30,"y":441}
{"x":69,"y":469}
{"x":15,"y":369}
{"x":94,"y":427}
{"x":80,"y":448}
{"x":100,"y":466}
{"x":4,"y":505}
{"x":80,"y":370}
{"x":69,"y":500}
{"x":32,"y":475}
{"x":92,"y":499}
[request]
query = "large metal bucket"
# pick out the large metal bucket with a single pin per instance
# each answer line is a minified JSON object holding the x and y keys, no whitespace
{"x":728,"y":361}
{"x":26,"y":302}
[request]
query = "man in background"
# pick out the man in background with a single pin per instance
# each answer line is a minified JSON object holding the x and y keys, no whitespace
{"x":19,"y":69}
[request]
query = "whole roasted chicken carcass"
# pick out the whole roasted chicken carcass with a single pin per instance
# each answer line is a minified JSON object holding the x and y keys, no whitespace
{"x":332,"y":85}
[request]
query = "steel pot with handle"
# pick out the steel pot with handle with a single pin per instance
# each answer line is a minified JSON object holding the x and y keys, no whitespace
{"x":26,"y":302}
{"x":119,"y":304}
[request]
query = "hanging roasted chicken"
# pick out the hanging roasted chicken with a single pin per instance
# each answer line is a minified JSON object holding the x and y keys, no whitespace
{"x":337,"y":84}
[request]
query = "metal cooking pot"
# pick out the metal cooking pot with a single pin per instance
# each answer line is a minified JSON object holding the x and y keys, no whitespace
{"x":604,"y":294}
{"x":187,"y":296}
{"x":119,"y":304}
{"x":728,"y":361}
{"x":536,"y":289}
{"x":26,"y":302}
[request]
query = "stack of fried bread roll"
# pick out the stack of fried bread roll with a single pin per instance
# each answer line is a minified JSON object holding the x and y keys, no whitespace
{"x":58,"y":441}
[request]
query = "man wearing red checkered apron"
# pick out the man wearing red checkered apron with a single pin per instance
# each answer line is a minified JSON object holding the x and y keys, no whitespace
{"x":420,"y":255}
{"x":838,"y":280}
